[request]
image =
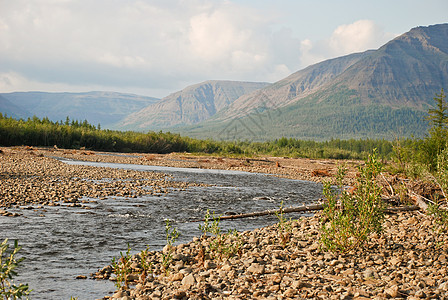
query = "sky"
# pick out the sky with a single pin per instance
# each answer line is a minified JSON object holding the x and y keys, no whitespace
{"x":157,"y":47}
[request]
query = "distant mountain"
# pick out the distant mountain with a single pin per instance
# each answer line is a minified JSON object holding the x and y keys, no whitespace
{"x":383,"y":93}
{"x":191,"y":105}
{"x":103,"y":108}
{"x":12,"y":110}
{"x":299,"y":84}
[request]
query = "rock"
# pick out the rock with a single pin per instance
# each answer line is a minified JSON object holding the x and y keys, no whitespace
{"x":81,"y":277}
{"x":119,"y":294}
{"x":298,"y":284}
{"x":176,"y":277}
{"x":188,"y":281}
{"x":209,"y":265}
{"x":392,"y":291}
{"x":179,"y":294}
{"x":290,"y":293}
{"x":420,"y":294}
{"x":443,"y":286}
{"x":395,"y":261}
{"x":256,"y":268}
{"x":368,"y":273}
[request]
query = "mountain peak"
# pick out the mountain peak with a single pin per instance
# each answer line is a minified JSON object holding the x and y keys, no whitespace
{"x":191,"y":105}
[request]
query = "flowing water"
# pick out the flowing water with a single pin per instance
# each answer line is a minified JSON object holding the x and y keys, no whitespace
{"x":62,"y":242}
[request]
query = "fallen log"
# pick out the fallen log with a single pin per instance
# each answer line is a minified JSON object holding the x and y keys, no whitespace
{"x":304,"y":208}
{"x":274,"y":211}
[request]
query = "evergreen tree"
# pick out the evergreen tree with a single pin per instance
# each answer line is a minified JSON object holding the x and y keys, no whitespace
{"x":439,"y":115}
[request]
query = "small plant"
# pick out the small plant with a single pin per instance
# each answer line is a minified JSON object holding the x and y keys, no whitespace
{"x":349,"y":218}
{"x":8,"y":262}
{"x":122,"y":268}
{"x":222,"y":245}
{"x":284,"y":228}
{"x":145,"y":265}
{"x":441,"y":178}
{"x":211,"y":224}
{"x":172,"y":235}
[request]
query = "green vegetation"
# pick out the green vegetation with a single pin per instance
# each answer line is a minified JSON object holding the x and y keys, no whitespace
{"x":320,"y":117}
{"x":284,"y":228}
{"x":349,"y":218}
{"x":171,"y":235}
{"x":8,"y":263}
{"x":75,"y":135}
{"x":222,"y":245}
{"x":122,"y":268}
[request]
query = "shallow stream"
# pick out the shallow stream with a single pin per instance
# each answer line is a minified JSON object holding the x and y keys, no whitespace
{"x":62,"y":242}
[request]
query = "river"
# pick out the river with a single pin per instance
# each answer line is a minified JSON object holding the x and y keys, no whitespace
{"x":60,"y":243}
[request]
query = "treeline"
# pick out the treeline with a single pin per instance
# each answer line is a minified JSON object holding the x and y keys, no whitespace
{"x":74,"y":134}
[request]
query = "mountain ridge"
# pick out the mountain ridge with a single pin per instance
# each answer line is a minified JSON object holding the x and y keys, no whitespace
{"x":190,"y":105}
{"x":399,"y":79}
{"x":98,"y":107}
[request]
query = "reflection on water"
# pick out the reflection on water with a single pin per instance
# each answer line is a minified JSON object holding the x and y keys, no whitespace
{"x":60,"y":243}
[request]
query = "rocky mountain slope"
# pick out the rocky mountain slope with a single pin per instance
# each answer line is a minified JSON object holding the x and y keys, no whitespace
{"x":376,"y":94}
{"x":103,"y":108}
{"x":191,"y":105}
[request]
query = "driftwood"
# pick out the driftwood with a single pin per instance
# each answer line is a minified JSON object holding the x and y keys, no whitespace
{"x":274,"y":211}
{"x":304,"y":208}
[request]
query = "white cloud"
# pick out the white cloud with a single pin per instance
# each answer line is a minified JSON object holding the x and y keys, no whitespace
{"x":146,"y":44}
{"x":157,"y":45}
{"x":359,"y":36}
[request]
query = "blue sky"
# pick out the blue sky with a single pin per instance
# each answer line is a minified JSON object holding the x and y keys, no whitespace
{"x":160,"y":46}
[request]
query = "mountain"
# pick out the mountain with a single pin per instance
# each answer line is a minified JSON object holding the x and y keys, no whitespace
{"x":191,"y":105}
{"x":383,"y":93}
{"x":12,"y":110}
{"x":103,"y":108}
{"x":286,"y":91}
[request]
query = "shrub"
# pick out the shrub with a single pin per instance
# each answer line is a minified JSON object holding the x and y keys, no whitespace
{"x":172,"y":235}
{"x":440,"y":176}
{"x":349,"y":218}
{"x":222,"y":244}
{"x":8,"y":262}
{"x":284,"y":228}
{"x":122,"y":268}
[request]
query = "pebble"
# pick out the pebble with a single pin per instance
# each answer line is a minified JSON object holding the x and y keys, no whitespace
{"x":31,"y":180}
{"x":271,"y":271}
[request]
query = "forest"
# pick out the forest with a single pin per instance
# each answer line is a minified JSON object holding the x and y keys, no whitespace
{"x":74,"y":134}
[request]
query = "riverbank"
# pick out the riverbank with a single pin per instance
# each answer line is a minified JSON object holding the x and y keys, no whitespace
{"x":409,"y":260}
{"x":33,"y":178}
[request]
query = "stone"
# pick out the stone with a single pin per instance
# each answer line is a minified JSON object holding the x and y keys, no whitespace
{"x":298,"y":284}
{"x":256,"y":268}
{"x":395,"y":261}
{"x":368,"y":273}
{"x":443,"y":286}
{"x":290,"y":292}
{"x":176,"y":277}
{"x":119,"y":294}
{"x":420,"y":294}
{"x":179,"y":294}
{"x":188,"y":281}
{"x":392,"y":291}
